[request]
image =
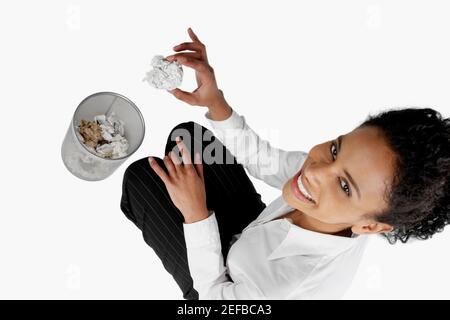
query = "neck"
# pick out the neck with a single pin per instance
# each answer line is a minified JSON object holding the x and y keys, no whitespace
{"x":308,"y":223}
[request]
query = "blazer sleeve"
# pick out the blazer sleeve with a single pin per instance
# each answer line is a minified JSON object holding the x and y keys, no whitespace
{"x":263,"y":161}
{"x":206,"y":265}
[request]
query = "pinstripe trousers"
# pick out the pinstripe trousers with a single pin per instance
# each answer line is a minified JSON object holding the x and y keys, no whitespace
{"x":229,"y":192}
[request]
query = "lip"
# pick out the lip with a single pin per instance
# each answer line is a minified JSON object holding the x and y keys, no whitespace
{"x":299,"y":195}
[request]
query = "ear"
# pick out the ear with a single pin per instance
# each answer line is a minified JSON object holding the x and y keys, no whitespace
{"x":371,"y":227}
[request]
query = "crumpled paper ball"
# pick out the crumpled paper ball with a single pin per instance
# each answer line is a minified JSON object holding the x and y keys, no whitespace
{"x":165,"y":74}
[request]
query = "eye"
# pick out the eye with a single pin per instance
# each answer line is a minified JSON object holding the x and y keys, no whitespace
{"x":344,"y":186}
{"x":333,"y":150}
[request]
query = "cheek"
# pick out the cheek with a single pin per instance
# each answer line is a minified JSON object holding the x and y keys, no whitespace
{"x":313,"y":153}
{"x":332,"y":209}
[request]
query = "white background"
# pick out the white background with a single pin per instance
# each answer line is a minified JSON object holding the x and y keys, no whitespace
{"x":308,"y":70}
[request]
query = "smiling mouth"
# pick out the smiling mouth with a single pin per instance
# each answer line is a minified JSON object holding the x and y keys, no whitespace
{"x":300,"y":190}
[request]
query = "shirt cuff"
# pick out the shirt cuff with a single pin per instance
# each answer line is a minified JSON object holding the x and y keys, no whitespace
{"x":234,"y":121}
{"x":202,"y":232}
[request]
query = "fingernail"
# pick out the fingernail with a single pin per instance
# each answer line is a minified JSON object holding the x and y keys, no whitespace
{"x":151,"y":160}
{"x":178,"y":139}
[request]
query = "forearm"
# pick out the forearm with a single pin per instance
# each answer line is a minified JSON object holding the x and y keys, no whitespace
{"x":262,"y":160}
{"x":207,"y":266}
{"x":220,"y":110}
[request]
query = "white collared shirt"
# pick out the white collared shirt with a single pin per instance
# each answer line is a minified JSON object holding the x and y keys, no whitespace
{"x":270,"y":259}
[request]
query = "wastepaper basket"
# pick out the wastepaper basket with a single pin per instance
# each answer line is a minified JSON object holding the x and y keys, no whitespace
{"x":82,"y":162}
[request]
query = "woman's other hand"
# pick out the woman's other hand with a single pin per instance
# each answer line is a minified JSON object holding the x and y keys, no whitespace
{"x":185,"y":184}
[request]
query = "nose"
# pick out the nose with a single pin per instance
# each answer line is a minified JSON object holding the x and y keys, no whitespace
{"x":317,"y":173}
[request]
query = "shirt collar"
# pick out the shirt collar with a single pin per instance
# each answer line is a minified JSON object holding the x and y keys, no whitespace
{"x":299,"y":241}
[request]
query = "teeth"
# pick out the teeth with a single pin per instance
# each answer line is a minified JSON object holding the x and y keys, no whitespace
{"x":303,"y":189}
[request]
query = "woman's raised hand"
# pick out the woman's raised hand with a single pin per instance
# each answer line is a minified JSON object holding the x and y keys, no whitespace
{"x":207,"y":93}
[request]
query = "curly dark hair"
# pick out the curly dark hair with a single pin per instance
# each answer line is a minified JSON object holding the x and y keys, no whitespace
{"x":419,"y":196}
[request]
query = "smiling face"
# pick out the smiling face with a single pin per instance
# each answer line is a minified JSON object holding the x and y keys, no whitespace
{"x":347,"y":179}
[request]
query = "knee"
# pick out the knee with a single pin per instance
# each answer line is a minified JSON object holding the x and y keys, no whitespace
{"x":140,"y":169}
{"x":185,"y":125}
{"x":136,"y":167}
{"x":188,"y":131}
{"x":183,"y":129}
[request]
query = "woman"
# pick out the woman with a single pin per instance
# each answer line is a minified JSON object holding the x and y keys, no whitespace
{"x":207,"y":223}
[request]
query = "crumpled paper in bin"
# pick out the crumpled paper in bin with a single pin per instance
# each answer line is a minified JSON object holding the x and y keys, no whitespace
{"x":104,"y":136}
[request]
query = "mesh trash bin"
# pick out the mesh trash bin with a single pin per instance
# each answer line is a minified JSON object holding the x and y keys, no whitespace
{"x":82,"y":162}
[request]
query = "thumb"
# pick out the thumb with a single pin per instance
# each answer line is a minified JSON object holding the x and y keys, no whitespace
{"x":199,"y":165}
{"x":183,"y":96}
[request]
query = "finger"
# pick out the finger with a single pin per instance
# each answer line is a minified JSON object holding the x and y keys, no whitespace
{"x":184,"y":152}
{"x":170,"y":166}
{"x":193,"y":46}
{"x":199,"y":165}
{"x":175,"y":159}
{"x":195,"y":64}
{"x":194,"y":55}
{"x":193,"y":35}
{"x":158,"y":170}
{"x":184,"y":96}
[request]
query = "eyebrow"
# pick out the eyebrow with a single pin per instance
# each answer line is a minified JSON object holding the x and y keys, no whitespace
{"x":348,"y":175}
